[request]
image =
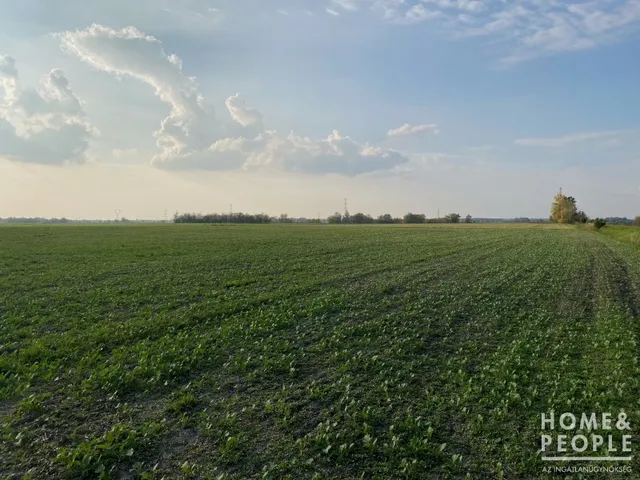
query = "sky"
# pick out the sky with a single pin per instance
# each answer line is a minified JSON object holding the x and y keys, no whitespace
{"x":487,"y":108}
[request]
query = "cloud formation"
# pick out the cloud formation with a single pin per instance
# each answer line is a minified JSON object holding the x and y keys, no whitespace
{"x":351,"y":5}
{"x":46,"y":126}
{"x":407,"y":129}
{"x":336,"y":153}
{"x":191,"y":126}
{"x":526,"y":29}
{"x":247,"y":121}
{"x":191,"y":137}
{"x":556,"y":142}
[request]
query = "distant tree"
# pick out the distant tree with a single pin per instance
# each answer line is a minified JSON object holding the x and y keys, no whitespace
{"x":361,"y":218}
{"x":335,"y":218}
{"x":619,"y":221}
{"x":386,"y":218}
{"x":563,"y":209}
{"x":284,"y":218}
{"x":581,"y":217}
{"x":221,"y":218}
{"x":468,"y":219}
{"x":415,"y":218}
{"x":452,"y":218}
{"x":636,"y":221}
{"x":598,"y":223}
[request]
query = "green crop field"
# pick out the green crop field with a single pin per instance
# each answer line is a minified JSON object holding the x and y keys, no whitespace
{"x":308,"y":352}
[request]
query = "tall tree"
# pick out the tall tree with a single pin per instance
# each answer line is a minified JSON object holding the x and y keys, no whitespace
{"x":335,"y":218}
{"x":563,"y":209}
{"x":415,"y":218}
{"x":386,"y":218}
{"x":581,"y":217}
{"x":453,"y":218}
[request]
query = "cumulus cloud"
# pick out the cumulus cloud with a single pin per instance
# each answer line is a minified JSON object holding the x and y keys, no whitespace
{"x":270,"y":150}
{"x":526,"y":29}
{"x":191,"y":137}
{"x":8,"y":78}
{"x":241,"y":113}
{"x":191,"y":126}
{"x":408,"y":129}
{"x":41,"y":126}
{"x":336,"y":153}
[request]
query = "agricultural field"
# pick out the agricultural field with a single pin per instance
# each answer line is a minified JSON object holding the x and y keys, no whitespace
{"x":308,"y":352}
{"x":626,"y":234}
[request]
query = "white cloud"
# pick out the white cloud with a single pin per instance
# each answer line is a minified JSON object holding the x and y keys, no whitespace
{"x":335,"y":154}
{"x":243,"y":114}
{"x":41,"y":126}
{"x":400,"y":12}
{"x":408,"y":129}
{"x":8,"y":78}
{"x":555,"y":142}
{"x":526,"y":29}
{"x":191,"y":126}
{"x":192,"y":138}
{"x":418,"y":13}
{"x":271,"y":150}
{"x":332,"y":12}
{"x":350,"y":5}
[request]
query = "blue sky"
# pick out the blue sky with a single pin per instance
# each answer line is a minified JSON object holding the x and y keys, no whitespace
{"x":481,"y":107}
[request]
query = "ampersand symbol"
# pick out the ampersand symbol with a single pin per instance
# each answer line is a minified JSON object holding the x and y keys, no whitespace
{"x":622,"y":423}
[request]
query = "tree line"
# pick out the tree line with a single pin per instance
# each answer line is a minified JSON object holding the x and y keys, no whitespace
{"x":562,"y":215}
{"x":222,"y":218}
{"x":35,"y":220}
{"x":337,"y":218}
{"x":361,"y":218}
